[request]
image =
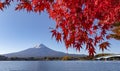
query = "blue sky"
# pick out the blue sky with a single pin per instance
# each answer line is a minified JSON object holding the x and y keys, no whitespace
{"x":20,"y":30}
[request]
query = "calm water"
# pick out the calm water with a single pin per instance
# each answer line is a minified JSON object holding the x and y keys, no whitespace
{"x":59,"y":65}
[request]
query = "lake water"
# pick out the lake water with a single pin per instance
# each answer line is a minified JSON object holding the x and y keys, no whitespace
{"x":59,"y":65}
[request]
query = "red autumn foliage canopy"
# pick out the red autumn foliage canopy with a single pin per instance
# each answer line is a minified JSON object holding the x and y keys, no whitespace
{"x":75,"y":19}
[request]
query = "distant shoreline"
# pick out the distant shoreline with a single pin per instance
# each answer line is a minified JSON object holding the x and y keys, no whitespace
{"x":98,"y":57}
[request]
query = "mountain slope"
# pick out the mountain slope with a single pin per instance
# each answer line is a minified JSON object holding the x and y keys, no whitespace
{"x":40,"y":51}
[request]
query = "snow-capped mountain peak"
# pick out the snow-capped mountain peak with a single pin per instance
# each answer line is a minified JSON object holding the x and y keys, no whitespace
{"x":40,"y":46}
{"x":39,"y":51}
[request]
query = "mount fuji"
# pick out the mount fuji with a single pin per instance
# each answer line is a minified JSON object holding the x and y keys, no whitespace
{"x":41,"y":51}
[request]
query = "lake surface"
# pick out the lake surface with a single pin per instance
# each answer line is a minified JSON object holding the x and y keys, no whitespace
{"x":59,"y":65}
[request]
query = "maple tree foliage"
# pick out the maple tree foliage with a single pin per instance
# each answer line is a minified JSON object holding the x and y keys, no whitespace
{"x":75,"y":19}
{"x":116,"y":31}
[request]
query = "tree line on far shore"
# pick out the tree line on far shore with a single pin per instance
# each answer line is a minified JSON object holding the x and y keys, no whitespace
{"x":43,"y":58}
{"x":64,"y":58}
